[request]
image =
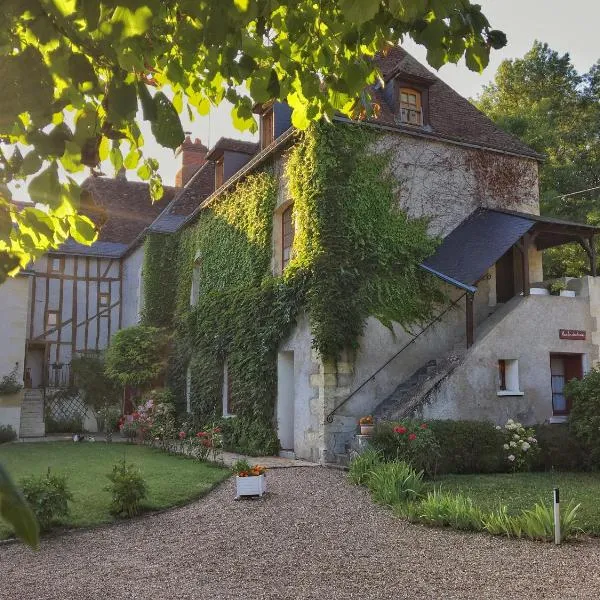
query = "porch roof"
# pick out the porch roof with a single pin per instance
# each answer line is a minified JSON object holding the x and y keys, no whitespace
{"x":466,"y":254}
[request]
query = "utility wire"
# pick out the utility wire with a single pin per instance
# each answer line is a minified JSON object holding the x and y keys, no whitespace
{"x":579,"y":192}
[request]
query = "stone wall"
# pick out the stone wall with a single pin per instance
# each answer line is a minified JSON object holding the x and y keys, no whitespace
{"x":526,"y":329}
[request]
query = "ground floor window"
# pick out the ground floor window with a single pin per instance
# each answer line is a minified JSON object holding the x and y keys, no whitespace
{"x":508,"y":377}
{"x":563,"y":368}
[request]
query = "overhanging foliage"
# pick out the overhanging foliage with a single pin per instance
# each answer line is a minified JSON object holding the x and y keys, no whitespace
{"x":74,"y":73}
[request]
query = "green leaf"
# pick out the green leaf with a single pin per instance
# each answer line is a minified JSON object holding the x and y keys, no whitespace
{"x":241,"y":5}
{"x":359,"y":11}
{"x":148,"y":106}
{"x":121,"y":101}
{"x":15,"y":511}
{"x":167,"y":127}
{"x":81,"y":70}
{"x":91,"y":13}
{"x":82,"y":230}
{"x":116,"y":157}
{"x":45,"y":187}
{"x":134,"y":22}
{"x":132,"y":159}
{"x":32,"y":163}
{"x":144,"y":172}
{"x":408,"y":10}
{"x":477,"y":57}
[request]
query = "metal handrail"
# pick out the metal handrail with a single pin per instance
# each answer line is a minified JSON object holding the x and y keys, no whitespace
{"x":329,"y":417}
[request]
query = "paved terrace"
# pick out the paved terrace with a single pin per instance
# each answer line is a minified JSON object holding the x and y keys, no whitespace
{"x":314,"y":536}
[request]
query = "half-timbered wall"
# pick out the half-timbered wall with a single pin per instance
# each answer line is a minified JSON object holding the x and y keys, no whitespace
{"x":76,"y":307}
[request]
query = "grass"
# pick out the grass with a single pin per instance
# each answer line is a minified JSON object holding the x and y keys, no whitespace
{"x":521,"y":491}
{"x":172,"y":480}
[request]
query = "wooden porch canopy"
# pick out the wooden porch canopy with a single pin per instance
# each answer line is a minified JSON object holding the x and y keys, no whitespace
{"x":467,"y":253}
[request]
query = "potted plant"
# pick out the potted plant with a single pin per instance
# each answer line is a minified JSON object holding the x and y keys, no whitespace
{"x":249,"y":480}
{"x":366,"y":425}
{"x":557,"y":287}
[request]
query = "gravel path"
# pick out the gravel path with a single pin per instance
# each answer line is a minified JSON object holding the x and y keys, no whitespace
{"x":313,"y":536}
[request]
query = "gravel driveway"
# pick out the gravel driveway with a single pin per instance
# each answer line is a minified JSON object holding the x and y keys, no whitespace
{"x":313,"y":536}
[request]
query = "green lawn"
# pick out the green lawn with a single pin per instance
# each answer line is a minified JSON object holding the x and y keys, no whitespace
{"x":523,"y":490}
{"x":172,"y":480}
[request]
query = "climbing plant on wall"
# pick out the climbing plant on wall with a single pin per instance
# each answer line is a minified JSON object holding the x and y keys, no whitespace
{"x":355,"y":255}
{"x":358,"y":250}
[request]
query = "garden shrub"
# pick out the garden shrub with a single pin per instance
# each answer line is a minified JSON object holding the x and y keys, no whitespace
{"x":10,"y":384}
{"x":363,"y":465}
{"x":584,"y":419}
{"x":537,"y":523}
{"x":96,"y":387}
{"x":395,"y":482}
{"x":410,"y":441}
{"x":520,"y":445}
{"x":128,"y":490}
{"x":48,"y":496}
{"x":71,"y":425}
{"x":560,"y":450}
{"x":137,"y":356}
{"x":7,"y":434}
{"x":247,"y":436}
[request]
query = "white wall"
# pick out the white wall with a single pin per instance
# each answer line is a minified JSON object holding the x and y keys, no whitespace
{"x":14,"y":302}
{"x":131,"y":274}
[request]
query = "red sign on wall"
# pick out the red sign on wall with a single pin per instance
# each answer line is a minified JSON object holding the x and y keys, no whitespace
{"x":571,"y":334}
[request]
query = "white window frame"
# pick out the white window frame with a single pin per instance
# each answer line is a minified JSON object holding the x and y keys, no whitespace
{"x":511,"y":377}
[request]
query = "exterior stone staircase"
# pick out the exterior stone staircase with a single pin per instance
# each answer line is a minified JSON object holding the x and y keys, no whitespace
{"x":414,"y":390}
{"x":32,"y":415}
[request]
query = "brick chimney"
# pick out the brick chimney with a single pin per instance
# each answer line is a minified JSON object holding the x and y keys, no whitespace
{"x":193,"y":156}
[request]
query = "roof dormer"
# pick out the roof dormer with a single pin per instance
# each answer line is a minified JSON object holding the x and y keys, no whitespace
{"x":229,"y":157}
{"x":275,"y":119}
{"x":408,"y":97}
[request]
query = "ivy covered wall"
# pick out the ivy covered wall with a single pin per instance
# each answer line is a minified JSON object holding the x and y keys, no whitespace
{"x":355,"y":255}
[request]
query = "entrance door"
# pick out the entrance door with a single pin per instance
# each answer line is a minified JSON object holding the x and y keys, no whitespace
{"x":505,"y":277}
{"x":35,"y":362}
{"x":563,"y":368}
{"x":285,"y":400}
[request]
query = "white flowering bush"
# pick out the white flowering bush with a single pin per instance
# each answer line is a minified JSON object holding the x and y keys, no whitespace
{"x":520,"y":445}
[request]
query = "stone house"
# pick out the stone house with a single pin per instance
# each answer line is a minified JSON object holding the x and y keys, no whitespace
{"x":502,"y":347}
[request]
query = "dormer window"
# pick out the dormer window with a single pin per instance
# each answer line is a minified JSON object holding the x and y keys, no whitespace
{"x":411,"y":108}
{"x":267,"y":128}
{"x":219,"y":172}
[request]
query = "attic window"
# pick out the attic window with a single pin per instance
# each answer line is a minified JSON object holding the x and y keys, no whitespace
{"x":267,"y":133}
{"x":411,"y":109}
{"x":219,"y":172}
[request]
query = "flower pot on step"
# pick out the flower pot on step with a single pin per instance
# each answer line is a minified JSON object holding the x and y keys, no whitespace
{"x":366,"y":429}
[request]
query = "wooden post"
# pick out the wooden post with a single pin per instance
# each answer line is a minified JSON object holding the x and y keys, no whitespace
{"x":526,"y":278}
{"x":592,"y":256}
{"x":470,"y":320}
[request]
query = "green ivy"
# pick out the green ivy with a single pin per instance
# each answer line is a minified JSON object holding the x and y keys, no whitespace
{"x":355,"y":255}
{"x":358,"y":250}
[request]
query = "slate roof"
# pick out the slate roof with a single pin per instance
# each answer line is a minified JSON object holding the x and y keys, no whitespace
{"x":233,"y":146}
{"x":451,"y":116}
{"x":200,"y":187}
{"x":121,"y":209}
{"x":106,"y":249}
{"x":486,"y":234}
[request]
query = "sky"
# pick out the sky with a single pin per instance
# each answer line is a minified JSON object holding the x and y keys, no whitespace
{"x":567,"y":26}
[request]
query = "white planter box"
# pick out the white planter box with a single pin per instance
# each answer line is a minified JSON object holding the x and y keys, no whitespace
{"x":539,"y":292}
{"x":567,"y":293}
{"x":250,"y":486}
